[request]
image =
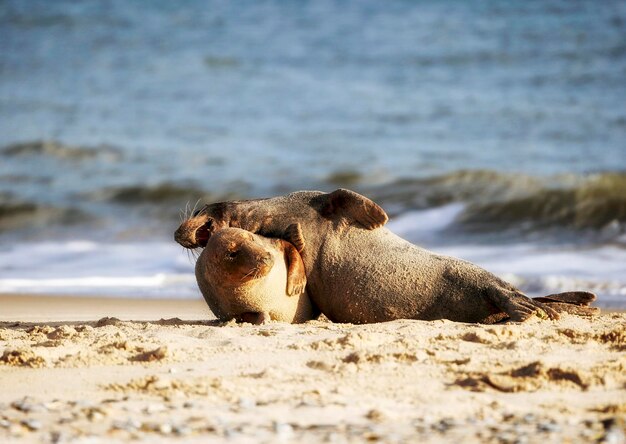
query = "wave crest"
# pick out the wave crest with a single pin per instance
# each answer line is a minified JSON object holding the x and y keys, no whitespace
{"x":22,"y":215}
{"x":499,"y":200}
{"x":161,"y":193}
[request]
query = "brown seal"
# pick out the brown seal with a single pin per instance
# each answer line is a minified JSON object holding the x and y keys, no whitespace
{"x":244,"y":276}
{"x":360,"y":272}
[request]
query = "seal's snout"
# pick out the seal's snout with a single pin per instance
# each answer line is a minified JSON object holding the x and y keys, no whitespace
{"x":182,"y":237}
{"x":267,"y":260}
{"x":262,"y":264}
{"x":265,"y":263}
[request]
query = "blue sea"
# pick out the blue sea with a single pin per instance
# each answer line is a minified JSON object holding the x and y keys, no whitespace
{"x":492,"y":131}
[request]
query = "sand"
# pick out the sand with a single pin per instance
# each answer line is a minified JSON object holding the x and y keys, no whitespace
{"x":68,"y":374}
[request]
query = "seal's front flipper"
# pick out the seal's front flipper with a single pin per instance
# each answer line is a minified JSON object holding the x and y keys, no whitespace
{"x":256,"y":318}
{"x":294,"y":236}
{"x":518,"y":306}
{"x":296,"y":277}
{"x":355,"y":208}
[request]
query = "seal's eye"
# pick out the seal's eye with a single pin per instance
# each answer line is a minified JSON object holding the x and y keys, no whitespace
{"x":199,"y":211}
{"x":233,"y":254}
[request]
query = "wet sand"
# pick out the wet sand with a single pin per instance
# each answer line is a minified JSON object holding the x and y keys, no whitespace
{"x":164,"y":371}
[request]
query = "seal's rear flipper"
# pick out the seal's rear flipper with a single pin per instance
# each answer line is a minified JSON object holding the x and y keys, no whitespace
{"x":517,"y":305}
{"x":582,"y":298}
{"x":573,"y":302}
{"x":355,"y":208}
{"x":580,"y":310}
{"x":296,"y":277}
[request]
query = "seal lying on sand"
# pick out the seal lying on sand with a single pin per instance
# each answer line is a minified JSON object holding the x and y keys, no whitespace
{"x":244,"y":276}
{"x":360,"y":272}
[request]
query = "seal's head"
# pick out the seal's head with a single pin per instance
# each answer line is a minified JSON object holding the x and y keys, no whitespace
{"x":238,"y":256}
{"x":280,"y":216}
{"x":245,"y":276}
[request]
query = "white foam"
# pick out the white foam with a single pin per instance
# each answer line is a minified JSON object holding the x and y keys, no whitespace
{"x":600,"y":263}
{"x":87,"y":267}
{"x":541,"y":270}
{"x":423,"y":223}
{"x":157,"y":280}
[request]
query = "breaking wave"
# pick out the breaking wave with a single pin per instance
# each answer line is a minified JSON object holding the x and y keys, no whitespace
{"x":162,"y":193}
{"x":497,"y":201}
{"x":21,"y":215}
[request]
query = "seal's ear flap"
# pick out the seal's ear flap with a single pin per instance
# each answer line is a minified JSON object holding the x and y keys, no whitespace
{"x":296,"y":277}
{"x":354,"y":207}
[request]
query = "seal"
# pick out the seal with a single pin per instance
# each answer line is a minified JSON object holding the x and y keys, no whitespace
{"x":360,"y":272}
{"x":244,"y":276}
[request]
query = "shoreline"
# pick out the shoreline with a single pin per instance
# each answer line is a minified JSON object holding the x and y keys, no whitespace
{"x":57,"y":308}
{"x":65,"y":308}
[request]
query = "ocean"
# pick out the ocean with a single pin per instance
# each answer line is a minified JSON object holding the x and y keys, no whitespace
{"x":492,"y":131}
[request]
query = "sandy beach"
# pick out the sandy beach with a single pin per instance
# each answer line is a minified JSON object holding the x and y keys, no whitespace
{"x":107,"y":370}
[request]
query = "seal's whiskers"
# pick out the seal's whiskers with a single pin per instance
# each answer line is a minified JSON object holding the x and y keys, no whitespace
{"x":254,"y":272}
{"x":193,"y":210}
{"x":189,"y":257}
